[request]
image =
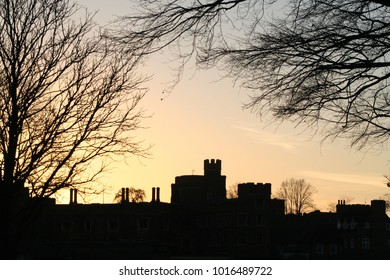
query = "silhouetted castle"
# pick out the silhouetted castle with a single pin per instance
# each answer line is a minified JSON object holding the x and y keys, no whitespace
{"x":197,"y":189}
{"x":200,"y":222}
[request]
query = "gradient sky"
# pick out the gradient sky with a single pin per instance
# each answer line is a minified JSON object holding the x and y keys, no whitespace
{"x":203,"y":119}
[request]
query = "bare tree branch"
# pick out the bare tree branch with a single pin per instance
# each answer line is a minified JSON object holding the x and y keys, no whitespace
{"x":232,"y":191}
{"x":135,"y":195}
{"x":318,"y":63}
{"x":298,"y":196}
{"x":68,"y":99}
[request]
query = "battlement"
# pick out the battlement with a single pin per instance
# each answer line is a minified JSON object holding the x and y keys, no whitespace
{"x":212,"y":167}
{"x":254,"y":189}
{"x":377,"y":206}
{"x":255,"y":185}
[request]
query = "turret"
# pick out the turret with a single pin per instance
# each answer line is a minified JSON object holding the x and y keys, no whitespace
{"x":212,"y":167}
{"x":198,"y":189}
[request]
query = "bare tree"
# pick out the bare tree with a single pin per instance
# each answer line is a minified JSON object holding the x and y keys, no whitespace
{"x":298,"y":196}
{"x":135,"y":195}
{"x":386,"y":198}
{"x":387,"y":177}
{"x":232,"y":191}
{"x":318,"y":63}
{"x":67,"y":99}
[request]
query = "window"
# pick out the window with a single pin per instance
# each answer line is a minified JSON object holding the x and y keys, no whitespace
{"x":333,"y":249}
{"x":220,"y":220}
{"x":365,"y":243}
{"x":346,"y":243}
{"x":143,"y":223}
{"x":259,"y":219}
{"x":259,"y":239}
{"x":87,"y":226}
{"x":185,"y":243}
{"x":242,"y":219}
{"x":223,"y":238}
{"x":66,"y":226}
{"x":209,"y":221}
{"x":319,"y":248}
{"x":167,"y":224}
{"x":242,"y":238}
{"x":353,"y":224}
{"x":112,"y":225}
{"x":339,"y":225}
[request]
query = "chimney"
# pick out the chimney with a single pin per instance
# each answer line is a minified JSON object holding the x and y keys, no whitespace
{"x":123,"y":196}
{"x":158,"y":194}
{"x":71,"y":197}
{"x":127,"y":195}
{"x":153,"y":194}
{"x":75,"y":196}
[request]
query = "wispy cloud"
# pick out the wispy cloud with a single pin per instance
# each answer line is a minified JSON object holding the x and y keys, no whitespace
{"x":268,"y":138}
{"x":346,"y":178}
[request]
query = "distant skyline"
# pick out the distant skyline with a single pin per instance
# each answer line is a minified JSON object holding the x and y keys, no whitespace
{"x":203,"y":119}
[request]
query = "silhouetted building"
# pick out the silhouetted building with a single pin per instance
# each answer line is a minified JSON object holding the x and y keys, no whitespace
{"x":353,"y":232}
{"x":230,"y":228}
{"x":200,"y":222}
{"x":200,"y":189}
{"x":364,"y":230}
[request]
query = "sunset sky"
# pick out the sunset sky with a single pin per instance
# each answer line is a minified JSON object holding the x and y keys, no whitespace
{"x":203,"y":119}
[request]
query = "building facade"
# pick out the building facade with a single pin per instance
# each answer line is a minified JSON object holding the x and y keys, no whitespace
{"x":200,"y":222}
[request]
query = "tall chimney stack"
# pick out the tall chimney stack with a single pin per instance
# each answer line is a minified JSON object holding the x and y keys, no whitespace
{"x":158,"y":194}
{"x":123,"y":196}
{"x":127,"y":195}
{"x":153,"y":194}
{"x":75,"y":196}
{"x":71,"y":197}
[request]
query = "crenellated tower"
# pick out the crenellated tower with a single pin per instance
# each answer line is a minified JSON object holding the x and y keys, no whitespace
{"x":215,"y":183}
{"x":210,"y":187}
{"x":212,"y":167}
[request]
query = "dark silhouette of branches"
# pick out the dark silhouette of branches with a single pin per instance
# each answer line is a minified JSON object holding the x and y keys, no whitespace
{"x":162,"y":23}
{"x":67,"y":98}
{"x":232,"y":191}
{"x":135,"y":195}
{"x":323,"y":64}
{"x":298,"y":196}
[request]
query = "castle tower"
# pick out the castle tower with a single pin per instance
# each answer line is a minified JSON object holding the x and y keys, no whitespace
{"x":214,"y":182}
{"x":198,"y":189}
{"x":212,"y":167}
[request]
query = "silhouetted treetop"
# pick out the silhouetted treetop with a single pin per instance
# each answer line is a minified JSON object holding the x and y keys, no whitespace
{"x":133,"y":195}
{"x":323,"y":64}
{"x":298,"y":196}
{"x":66,"y":99}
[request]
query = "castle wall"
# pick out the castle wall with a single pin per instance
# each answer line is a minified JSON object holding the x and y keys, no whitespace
{"x":190,"y":189}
